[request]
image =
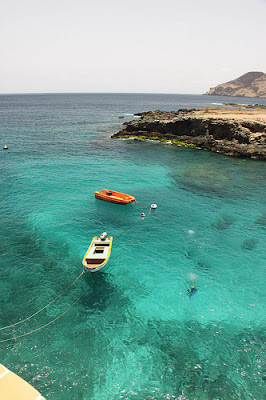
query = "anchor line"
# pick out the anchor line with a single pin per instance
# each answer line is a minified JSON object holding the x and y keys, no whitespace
{"x":57,"y":297}
{"x":129,"y":227}
{"x":125,"y":230}
{"x":139,"y":219}
{"x":142,"y":205}
{"x":49,"y":323}
{"x":37,"y":312}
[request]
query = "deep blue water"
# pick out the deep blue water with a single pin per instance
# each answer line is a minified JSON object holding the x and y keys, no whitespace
{"x":135,"y":333}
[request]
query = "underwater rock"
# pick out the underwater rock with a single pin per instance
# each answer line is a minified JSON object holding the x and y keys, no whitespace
{"x":223,"y":223}
{"x":262,"y":221}
{"x":250,"y":244}
{"x":188,"y":254}
{"x":202,"y":178}
{"x":201,"y":265}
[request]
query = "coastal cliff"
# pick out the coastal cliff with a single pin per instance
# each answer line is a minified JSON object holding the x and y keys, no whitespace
{"x":232,"y":132}
{"x":252,"y":84}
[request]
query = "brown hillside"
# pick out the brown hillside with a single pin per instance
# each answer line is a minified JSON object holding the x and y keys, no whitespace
{"x":251,"y":84}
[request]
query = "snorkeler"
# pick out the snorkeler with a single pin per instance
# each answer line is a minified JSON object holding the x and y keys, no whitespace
{"x":192,"y":289}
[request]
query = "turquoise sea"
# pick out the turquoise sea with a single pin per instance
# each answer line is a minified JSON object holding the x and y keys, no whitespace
{"x":135,"y":333}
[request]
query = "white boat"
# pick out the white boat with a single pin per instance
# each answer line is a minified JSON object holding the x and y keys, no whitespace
{"x":98,"y":253}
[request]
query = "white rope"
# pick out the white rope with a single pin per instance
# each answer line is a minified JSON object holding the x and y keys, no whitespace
{"x":37,"y":312}
{"x":49,"y":323}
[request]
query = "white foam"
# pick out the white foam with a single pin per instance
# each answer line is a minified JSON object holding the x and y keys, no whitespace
{"x":191,"y":276}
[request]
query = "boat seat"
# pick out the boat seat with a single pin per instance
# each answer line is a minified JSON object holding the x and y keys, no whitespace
{"x":95,"y":261}
{"x":102,"y":243}
{"x":98,"y":252}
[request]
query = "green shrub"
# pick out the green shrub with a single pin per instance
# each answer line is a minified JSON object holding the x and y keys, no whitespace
{"x":207,"y":109}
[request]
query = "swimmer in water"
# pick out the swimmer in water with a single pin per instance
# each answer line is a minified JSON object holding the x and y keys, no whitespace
{"x":192,"y":289}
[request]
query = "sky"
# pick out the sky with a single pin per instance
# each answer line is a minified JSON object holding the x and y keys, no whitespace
{"x":122,"y":46}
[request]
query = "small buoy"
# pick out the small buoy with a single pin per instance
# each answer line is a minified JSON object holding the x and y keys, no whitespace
{"x":103,"y":235}
{"x":5,"y":147}
{"x":154,"y":206}
{"x":143,"y":215}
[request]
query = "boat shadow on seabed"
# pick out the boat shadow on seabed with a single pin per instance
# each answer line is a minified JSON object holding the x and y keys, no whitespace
{"x":103,"y":293}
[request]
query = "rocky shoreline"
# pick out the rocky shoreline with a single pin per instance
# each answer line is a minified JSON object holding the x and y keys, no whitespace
{"x":240,"y":133}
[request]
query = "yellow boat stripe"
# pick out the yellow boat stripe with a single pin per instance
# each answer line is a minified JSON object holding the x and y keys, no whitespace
{"x":6,"y":371}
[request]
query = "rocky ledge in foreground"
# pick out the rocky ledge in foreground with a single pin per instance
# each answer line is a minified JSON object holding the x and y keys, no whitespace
{"x":235,"y":133}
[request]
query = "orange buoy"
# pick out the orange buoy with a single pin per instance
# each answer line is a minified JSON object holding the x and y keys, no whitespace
{"x":5,"y":147}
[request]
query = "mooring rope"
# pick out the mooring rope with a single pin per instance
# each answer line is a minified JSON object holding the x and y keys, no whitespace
{"x":37,"y":312}
{"x":125,"y":230}
{"x":49,"y":323}
{"x":57,"y":297}
{"x":141,"y":204}
{"x":134,"y":223}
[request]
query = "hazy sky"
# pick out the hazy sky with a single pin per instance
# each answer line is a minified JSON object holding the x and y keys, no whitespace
{"x":166,"y":46}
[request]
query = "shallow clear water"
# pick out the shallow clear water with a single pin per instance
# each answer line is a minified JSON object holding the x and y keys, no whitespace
{"x":136,"y":333}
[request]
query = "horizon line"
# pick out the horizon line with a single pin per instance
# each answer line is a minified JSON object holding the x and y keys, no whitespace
{"x":42,"y":93}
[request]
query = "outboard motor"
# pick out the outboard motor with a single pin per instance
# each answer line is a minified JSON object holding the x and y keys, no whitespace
{"x":103,"y":236}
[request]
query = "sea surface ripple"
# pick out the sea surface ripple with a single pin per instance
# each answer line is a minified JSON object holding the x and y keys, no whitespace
{"x":136,"y":333}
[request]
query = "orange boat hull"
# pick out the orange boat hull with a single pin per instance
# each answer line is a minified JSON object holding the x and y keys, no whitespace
{"x":114,"y":197}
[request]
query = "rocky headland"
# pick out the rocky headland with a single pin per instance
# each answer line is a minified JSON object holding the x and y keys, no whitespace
{"x":235,"y":132}
{"x":251,"y":84}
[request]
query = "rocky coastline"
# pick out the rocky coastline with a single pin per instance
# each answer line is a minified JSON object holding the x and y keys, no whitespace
{"x":239,"y":133}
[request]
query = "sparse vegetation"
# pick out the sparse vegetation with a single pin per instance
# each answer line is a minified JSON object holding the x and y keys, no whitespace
{"x":207,"y":109}
{"x":142,"y":138}
{"x":180,"y":143}
{"x":257,"y":107}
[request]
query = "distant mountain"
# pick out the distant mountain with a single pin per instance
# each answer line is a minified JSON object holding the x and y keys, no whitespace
{"x":252,"y":84}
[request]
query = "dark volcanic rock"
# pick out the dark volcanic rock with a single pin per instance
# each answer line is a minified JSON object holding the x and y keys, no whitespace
{"x":230,"y":132}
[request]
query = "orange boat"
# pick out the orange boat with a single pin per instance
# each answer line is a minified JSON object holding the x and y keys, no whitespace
{"x":114,"y":197}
